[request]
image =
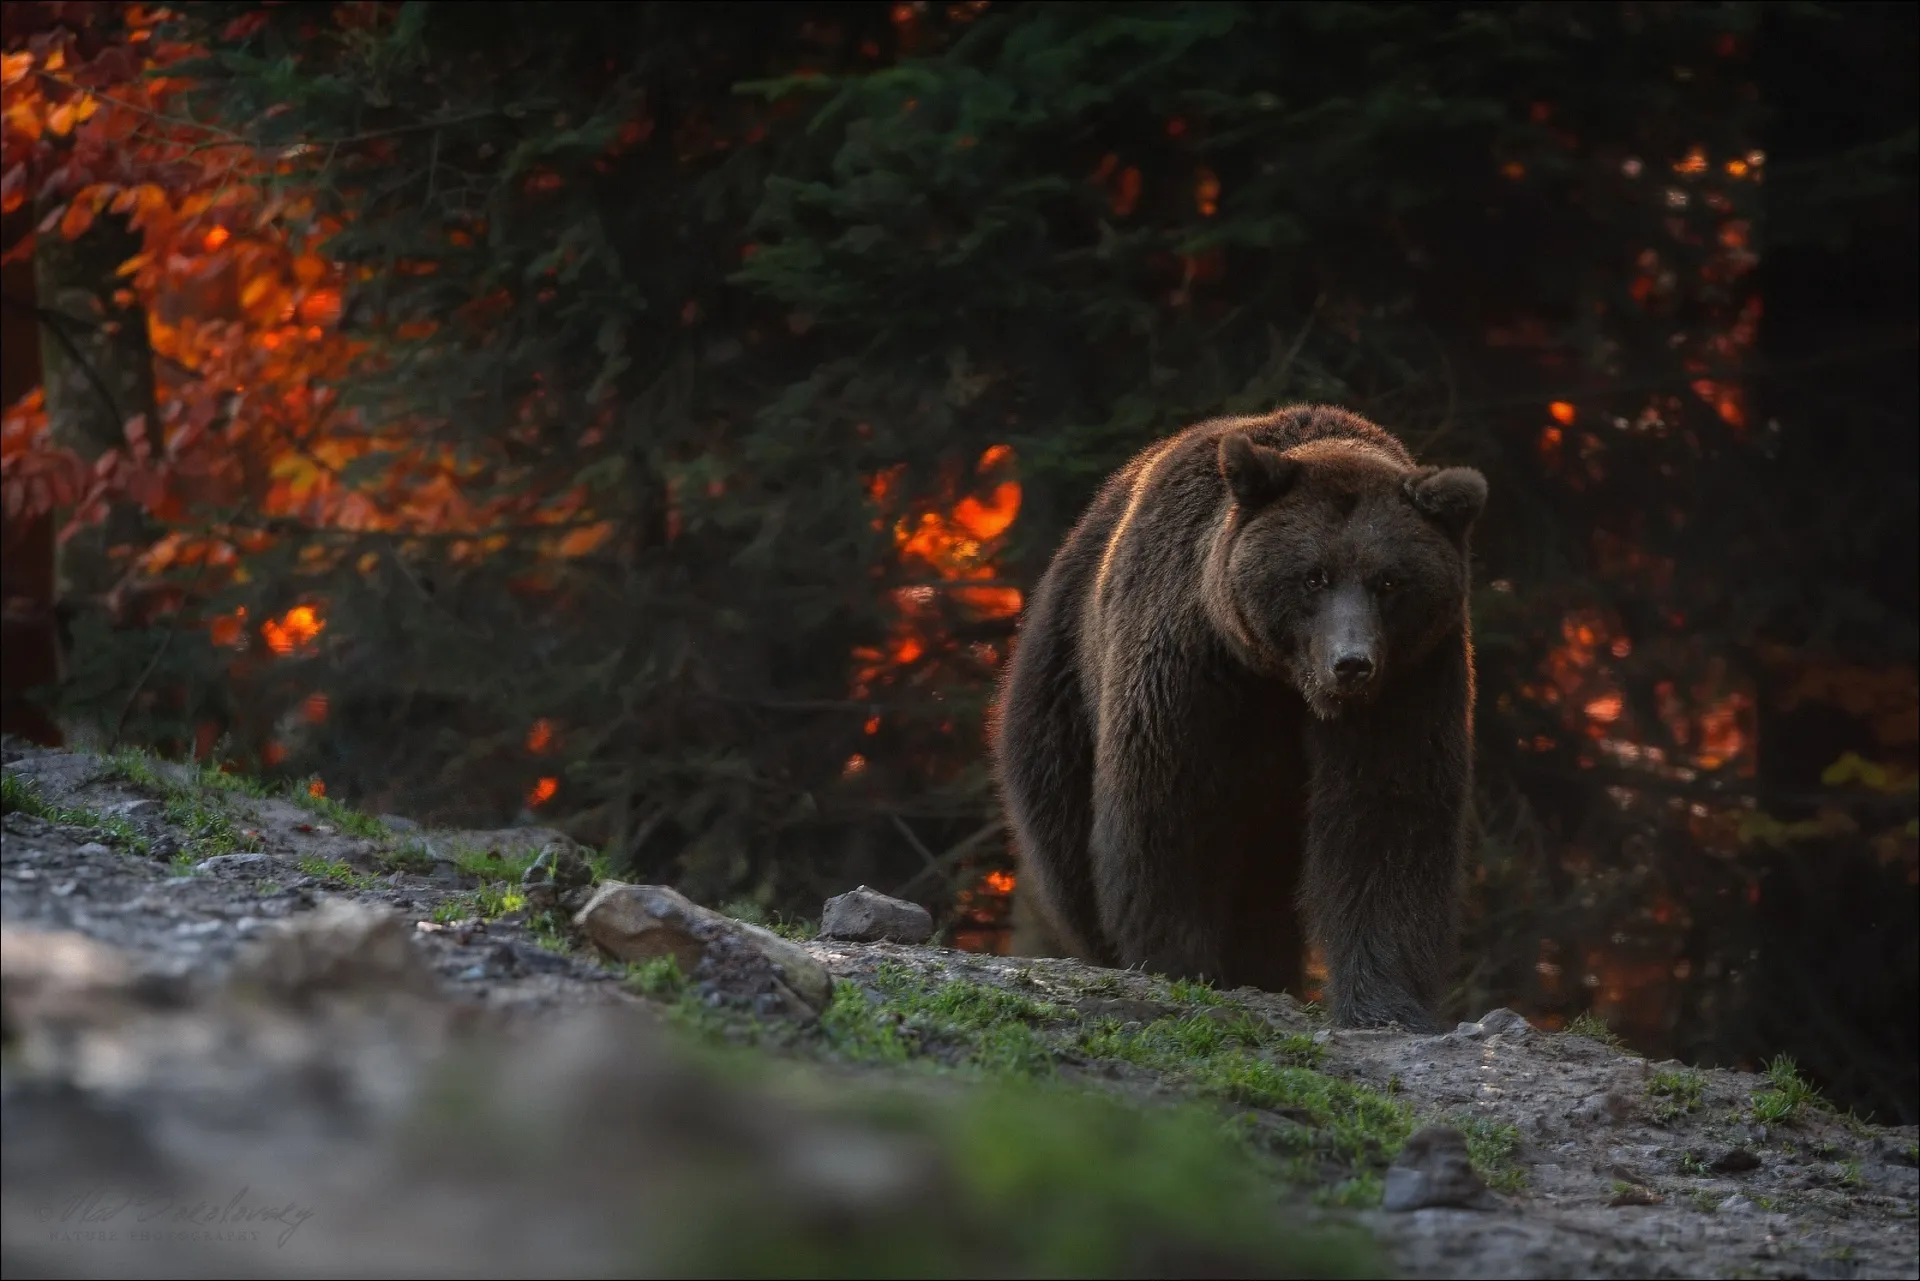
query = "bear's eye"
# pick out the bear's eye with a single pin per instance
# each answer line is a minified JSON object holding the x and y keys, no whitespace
{"x":1314,"y":579}
{"x":1386,"y":584}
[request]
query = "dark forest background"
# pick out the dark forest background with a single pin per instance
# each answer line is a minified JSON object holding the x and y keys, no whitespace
{"x":643,"y":419}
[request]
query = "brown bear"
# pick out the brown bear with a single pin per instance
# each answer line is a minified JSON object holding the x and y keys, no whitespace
{"x":1246,"y":682}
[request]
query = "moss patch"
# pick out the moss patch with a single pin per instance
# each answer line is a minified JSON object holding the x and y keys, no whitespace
{"x":1675,"y":1092}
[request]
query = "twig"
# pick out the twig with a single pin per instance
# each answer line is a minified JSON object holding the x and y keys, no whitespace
{"x":57,"y":322}
{"x":1299,"y":341}
{"x":645,"y":830}
{"x":948,"y":860}
{"x":914,"y":841}
{"x":159,"y":652}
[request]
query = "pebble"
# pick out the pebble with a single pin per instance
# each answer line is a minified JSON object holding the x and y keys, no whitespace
{"x":1433,"y":1169}
{"x":865,"y":915}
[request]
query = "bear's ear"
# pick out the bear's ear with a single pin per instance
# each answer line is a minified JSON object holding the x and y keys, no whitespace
{"x":1256,"y":475}
{"x":1451,"y":497}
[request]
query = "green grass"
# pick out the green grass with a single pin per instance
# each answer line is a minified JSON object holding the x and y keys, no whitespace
{"x":489,"y":902}
{"x":956,"y":1024}
{"x":799,"y":929}
{"x":1238,"y":1060}
{"x":1493,"y":1147}
{"x":1693,"y":1165}
{"x":1594,"y":1028}
{"x":660,"y":977}
{"x":206,"y":829}
{"x":132,"y":766}
{"x":1195,"y":992}
{"x":1675,"y":1092}
{"x":341,"y":816}
{"x":17,"y":793}
{"x":336,"y":872}
{"x":1789,"y":1093}
{"x":1248,"y":1062}
{"x":491,"y":864}
{"x":411,"y":856}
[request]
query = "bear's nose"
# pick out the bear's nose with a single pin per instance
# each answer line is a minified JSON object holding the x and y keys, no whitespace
{"x":1352,"y":670}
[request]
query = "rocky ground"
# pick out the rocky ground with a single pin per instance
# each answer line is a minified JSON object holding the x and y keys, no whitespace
{"x":261,"y":1035}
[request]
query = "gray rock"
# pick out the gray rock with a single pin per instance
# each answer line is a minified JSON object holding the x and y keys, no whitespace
{"x":143,"y":807}
{"x":1734,"y":1161}
{"x":556,"y":876}
{"x":1433,"y":1169}
{"x":93,"y":849}
{"x":341,"y":947}
{"x":396,"y":823}
{"x":1506,"y":1023}
{"x":728,"y":959}
{"x":1608,"y":1108}
{"x":234,"y":863}
{"x":865,"y":915}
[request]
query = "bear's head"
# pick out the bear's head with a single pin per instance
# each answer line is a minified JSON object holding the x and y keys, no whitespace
{"x":1339,"y":567}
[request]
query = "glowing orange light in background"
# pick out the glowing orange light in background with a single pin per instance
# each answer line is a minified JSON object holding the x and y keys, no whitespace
{"x":226,"y":630}
{"x":1562,"y":412}
{"x":540,"y":737}
{"x":295,"y":630}
{"x":317,"y":787}
{"x":542,"y":792}
{"x":314,"y":708}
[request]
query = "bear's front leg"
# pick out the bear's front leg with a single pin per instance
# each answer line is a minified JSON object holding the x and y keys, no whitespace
{"x":1160,"y":911}
{"x":1387,"y":830}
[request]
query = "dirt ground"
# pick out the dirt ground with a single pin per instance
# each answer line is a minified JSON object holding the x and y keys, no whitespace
{"x":158,"y":1026}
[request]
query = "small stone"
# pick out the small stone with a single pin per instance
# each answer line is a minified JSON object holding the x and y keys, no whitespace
{"x":233,"y":863}
{"x":341,"y":946}
{"x":556,"y":873}
{"x":729,"y":958}
{"x":1467,"y":1032}
{"x":1506,"y":1023}
{"x":94,"y":849}
{"x":395,"y":823}
{"x":865,"y":915}
{"x":143,"y":807}
{"x":1608,"y":1108}
{"x":1434,"y":1169}
{"x":1736,"y":1204}
{"x":1635,"y":1194}
{"x":1734,"y":1161}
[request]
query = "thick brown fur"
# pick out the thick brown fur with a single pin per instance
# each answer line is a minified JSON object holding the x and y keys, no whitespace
{"x":1245,"y":683}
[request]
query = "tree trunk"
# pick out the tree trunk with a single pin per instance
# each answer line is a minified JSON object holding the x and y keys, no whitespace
{"x":97,"y":369}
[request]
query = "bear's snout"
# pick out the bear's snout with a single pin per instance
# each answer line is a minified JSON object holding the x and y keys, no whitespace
{"x":1351,"y":671}
{"x":1349,"y":643}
